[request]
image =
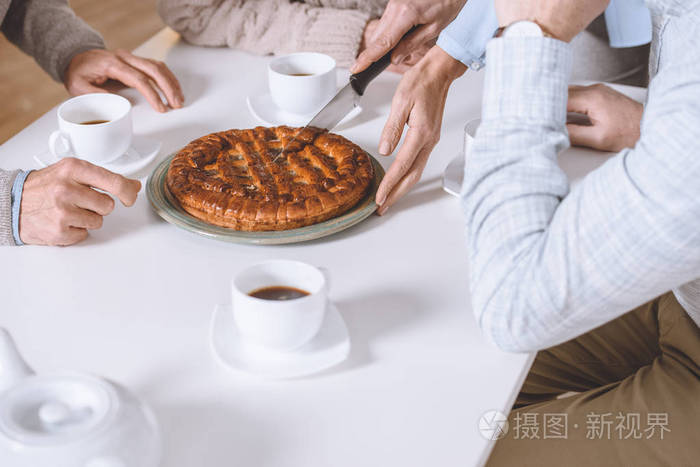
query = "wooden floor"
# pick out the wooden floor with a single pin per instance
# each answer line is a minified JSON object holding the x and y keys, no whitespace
{"x":26,"y":92}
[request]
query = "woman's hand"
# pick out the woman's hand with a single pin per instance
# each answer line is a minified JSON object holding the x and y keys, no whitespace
{"x":419,"y":102}
{"x":429,"y":17}
{"x":407,"y":62}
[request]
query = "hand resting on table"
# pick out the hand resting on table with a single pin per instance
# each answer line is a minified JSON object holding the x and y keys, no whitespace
{"x":615,"y":118}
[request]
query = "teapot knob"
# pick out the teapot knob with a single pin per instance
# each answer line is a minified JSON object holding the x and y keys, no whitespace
{"x":13,"y":368}
{"x":54,"y":413}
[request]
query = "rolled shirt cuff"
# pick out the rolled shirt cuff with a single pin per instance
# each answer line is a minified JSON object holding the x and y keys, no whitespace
{"x":527,"y":78}
{"x":17,"y":188}
{"x":456,"y":51}
{"x":465,"y":38}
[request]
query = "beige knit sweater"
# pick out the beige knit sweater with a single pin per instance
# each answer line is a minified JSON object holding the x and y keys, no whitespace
{"x":333,"y":27}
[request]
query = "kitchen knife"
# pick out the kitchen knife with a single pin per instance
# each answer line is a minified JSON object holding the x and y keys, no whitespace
{"x":345,"y":100}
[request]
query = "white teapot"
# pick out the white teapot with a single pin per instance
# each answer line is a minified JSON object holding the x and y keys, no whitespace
{"x":70,"y":419}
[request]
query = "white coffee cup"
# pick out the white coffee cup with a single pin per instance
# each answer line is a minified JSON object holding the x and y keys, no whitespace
{"x":279,"y":324}
{"x":96,"y":143}
{"x":469,"y":134}
{"x":306,"y":94}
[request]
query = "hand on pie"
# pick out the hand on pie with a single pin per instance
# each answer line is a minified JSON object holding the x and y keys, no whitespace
{"x":419,"y":101}
{"x":615,"y":118}
{"x":59,"y":203}
{"x":89,"y":71}
{"x":563,"y":19}
{"x":429,"y":16}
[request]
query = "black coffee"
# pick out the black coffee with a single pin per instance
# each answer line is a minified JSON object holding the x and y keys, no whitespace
{"x":94,"y":122}
{"x":278,"y":292}
{"x":301,"y":74}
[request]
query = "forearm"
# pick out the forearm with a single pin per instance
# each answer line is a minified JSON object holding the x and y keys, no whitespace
{"x":465,"y":39}
{"x":7,"y":179}
{"x":49,"y":31}
{"x":513,"y":184}
{"x":268,"y":26}
{"x":548,"y":264}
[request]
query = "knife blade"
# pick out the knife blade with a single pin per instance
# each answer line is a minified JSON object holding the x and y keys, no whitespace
{"x":345,"y":100}
{"x":337,"y":108}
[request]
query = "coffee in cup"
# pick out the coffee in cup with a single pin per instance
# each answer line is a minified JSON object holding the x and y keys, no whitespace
{"x":302,"y":83}
{"x":279,"y":304}
{"x":94,"y":122}
{"x":278,"y":292}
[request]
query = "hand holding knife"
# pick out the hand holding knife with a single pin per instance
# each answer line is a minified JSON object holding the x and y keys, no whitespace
{"x":346,"y":99}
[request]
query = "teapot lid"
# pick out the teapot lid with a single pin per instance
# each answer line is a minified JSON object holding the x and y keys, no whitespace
{"x":45,"y":410}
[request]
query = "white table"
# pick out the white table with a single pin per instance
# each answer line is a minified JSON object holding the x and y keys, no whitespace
{"x":134,"y":301}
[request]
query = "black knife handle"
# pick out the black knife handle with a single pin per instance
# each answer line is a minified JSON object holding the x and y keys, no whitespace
{"x":359,"y":81}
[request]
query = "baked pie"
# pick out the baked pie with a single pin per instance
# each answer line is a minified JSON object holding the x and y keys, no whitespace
{"x":241,"y":180}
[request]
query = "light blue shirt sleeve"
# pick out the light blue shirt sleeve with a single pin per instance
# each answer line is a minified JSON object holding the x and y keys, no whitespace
{"x":628,"y":23}
{"x":466,"y":37}
{"x":16,"y":198}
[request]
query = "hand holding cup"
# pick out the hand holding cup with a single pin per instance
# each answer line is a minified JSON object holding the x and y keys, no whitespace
{"x":60,"y":203}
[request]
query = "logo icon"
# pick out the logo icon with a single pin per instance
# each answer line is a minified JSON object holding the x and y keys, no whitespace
{"x":493,"y":425}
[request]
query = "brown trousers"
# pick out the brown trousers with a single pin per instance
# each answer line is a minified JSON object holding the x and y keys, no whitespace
{"x":638,"y":402}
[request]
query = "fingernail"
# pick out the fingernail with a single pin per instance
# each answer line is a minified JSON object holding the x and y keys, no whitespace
{"x":382,"y":210}
{"x":384,"y":148}
{"x":381,"y":201}
{"x":354,"y":68}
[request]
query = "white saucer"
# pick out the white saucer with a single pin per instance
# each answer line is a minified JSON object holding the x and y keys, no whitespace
{"x":453,"y":176}
{"x":142,"y":151}
{"x":262,"y":108}
{"x":330,"y":347}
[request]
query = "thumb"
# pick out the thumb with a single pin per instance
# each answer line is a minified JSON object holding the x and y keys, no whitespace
{"x":388,"y":33}
{"x":128,"y":196}
{"x":413,"y":41}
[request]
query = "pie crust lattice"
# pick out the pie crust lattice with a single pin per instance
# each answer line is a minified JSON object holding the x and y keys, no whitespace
{"x":235,"y":178}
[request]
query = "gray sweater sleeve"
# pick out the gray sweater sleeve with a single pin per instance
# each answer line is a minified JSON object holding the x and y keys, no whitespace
{"x":7,"y":178}
{"x":49,"y":31}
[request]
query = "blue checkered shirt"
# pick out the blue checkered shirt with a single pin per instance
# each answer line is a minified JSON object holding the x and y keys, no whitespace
{"x":549,"y":262}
